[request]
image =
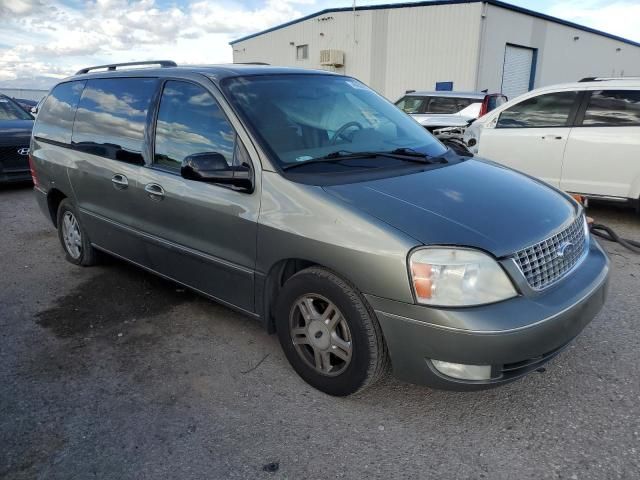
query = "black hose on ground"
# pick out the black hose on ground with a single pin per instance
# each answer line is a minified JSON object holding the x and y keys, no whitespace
{"x":606,"y":233}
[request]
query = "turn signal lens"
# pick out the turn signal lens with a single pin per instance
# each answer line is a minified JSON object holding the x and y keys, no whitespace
{"x":32,"y":169}
{"x":457,"y":277}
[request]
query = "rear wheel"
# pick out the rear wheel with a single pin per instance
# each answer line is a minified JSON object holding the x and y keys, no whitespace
{"x":73,"y":236}
{"x":329,"y":334}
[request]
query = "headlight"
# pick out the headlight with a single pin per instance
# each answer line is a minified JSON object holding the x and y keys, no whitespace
{"x":457,"y":277}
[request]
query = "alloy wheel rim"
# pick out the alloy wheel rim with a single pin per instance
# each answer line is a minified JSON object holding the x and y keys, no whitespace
{"x":321,"y":334}
{"x":71,"y":235}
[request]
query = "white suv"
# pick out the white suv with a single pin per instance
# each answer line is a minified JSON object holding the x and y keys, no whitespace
{"x":582,"y":137}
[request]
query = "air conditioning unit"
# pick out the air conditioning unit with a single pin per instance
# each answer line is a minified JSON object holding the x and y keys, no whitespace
{"x":334,"y":58}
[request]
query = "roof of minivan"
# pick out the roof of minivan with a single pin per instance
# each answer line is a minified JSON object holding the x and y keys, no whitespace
{"x":214,"y":72}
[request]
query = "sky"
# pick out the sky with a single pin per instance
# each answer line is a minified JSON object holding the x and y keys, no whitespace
{"x":41,"y":40}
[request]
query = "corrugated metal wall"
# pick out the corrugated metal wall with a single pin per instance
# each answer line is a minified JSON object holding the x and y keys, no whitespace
{"x":560,"y":58}
{"x":397,"y":49}
{"x":391,"y":50}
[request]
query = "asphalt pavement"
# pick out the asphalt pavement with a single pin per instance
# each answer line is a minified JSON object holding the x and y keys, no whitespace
{"x":109,"y":372}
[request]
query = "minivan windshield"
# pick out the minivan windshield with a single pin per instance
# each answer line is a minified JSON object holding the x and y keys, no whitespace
{"x":300,"y":117}
{"x":10,"y":110}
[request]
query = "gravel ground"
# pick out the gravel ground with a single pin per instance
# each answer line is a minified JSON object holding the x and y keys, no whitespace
{"x":109,"y":372}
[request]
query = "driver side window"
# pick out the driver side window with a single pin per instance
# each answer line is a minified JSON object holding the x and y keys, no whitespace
{"x":549,"y":110}
{"x":190,"y":122}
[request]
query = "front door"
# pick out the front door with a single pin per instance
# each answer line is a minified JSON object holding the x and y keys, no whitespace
{"x":201,"y":234}
{"x":531,"y":135}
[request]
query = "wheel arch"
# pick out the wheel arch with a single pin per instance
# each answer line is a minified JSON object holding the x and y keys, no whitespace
{"x":272,"y":284}
{"x":54,"y":198}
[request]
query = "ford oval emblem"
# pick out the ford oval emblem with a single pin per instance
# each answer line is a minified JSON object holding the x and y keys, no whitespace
{"x":23,"y":151}
{"x":564,"y":249}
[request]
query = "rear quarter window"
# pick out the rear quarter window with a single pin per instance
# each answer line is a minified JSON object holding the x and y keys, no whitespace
{"x":111,"y":118}
{"x":613,"y":108}
{"x":55,"y":119}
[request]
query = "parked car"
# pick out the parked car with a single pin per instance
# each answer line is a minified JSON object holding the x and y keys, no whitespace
{"x":435,"y":110}
{"x":15,"y":134}
{"x":305,"y":200}
{"x":26,"y":104}
{"x":581,"y":137}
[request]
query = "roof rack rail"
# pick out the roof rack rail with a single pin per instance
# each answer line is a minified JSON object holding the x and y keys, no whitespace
{"x":114,"y":66}
{"x":251,"y":63}
{"x":603,"y":79}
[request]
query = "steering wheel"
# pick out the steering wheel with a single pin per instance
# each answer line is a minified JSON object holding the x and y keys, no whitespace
{"x":343,"y":129}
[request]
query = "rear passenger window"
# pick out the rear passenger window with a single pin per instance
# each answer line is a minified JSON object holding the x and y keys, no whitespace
{"x":55,"y":119}
{"x":550,"y":110}
{"x":613,"y":108}
{"x":111,"y":118}
{"x":446,"y":105}
{"x":411,"y":104}
{"x":190,"y":122}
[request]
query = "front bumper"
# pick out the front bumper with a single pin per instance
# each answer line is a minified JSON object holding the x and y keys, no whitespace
{"x":514,"y":337}
{"x":16,"y":175}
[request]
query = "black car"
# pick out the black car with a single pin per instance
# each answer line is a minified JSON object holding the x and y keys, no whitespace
{"x":15,"y":133}
{"x":25,"y":103}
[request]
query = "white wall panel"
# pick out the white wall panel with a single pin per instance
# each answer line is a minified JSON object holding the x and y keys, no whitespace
{"x":560,"y":58}
{"x":392,"y":50}
{"x":397,"y":49}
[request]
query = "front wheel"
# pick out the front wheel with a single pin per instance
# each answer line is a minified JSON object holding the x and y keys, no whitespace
{"x":329,"y":334}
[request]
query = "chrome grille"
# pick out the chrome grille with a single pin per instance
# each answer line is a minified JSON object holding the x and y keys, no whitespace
{"x":546,"y":262}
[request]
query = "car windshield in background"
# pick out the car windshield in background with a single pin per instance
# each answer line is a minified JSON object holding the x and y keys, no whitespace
{"x":420,"y":104}
{"x":9,"y":110}
{"x":301,"y":117}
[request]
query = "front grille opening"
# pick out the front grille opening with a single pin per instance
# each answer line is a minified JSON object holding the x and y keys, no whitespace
{"x":546,"y":262}
{"x":516,"y":369}
{"x":11,"y":159}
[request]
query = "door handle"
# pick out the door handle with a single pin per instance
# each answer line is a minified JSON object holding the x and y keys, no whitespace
{"x":120,"y":182}
{"x":155,"y":191}
{"x":552,"y":137}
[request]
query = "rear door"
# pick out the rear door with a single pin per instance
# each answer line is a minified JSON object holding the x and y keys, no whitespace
{"x":108,"y":147}
{"x":603,"y":152}
{"x":531,"y":135}
{"x":201,"y":234}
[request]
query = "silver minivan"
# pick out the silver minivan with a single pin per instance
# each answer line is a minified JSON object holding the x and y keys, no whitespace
{"x":306,"y":200}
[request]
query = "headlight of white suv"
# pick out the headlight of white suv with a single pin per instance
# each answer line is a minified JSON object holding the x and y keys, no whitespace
{"x":458,"y":277}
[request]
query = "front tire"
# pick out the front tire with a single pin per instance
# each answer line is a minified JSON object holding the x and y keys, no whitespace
{"x":329,"y":334}
{"x":73,"y":237}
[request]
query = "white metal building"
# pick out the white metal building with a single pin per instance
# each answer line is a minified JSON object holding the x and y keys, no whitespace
{"x":474,"y":44}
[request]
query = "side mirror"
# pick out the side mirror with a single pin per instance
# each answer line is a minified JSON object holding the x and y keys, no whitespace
{"x":212,"y":167}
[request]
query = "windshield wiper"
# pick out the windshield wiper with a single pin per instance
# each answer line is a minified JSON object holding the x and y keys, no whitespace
{"x":405,"y":154}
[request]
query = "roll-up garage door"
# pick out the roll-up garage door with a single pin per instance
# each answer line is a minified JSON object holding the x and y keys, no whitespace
{"x":516,"y":74}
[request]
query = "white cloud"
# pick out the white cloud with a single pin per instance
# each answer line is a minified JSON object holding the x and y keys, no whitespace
{"x":18,"y":7}
{"x":49,"y":39}
{"x":621,"y":17}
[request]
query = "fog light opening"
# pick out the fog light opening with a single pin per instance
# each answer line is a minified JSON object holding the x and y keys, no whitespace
{"x":462,"y":371}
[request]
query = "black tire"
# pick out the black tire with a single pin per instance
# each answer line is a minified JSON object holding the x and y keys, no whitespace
{"x":88,"y":255}
{"x":369,"y":357}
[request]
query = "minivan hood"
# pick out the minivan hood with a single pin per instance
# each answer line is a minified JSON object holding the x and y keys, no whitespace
{"x":473,"y":203}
